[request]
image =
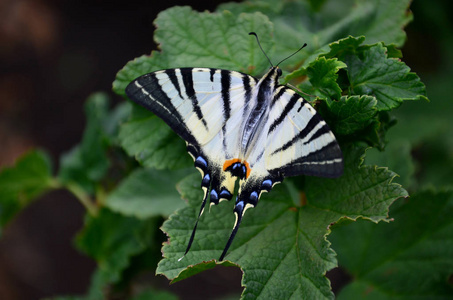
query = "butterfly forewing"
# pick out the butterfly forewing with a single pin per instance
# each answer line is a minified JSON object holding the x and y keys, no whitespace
{"x":195,"y":102}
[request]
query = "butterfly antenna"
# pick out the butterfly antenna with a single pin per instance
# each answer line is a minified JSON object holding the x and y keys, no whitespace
{"x":303,"y":46}
{"x":192,"y":236}
{"x":259,"y":44}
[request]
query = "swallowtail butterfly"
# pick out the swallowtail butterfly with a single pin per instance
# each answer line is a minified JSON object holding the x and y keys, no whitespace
{"x":239,"y":127}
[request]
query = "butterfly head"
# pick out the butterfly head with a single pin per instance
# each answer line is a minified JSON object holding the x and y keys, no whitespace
{"x":274,"y":72}
{"x":273,"y":75}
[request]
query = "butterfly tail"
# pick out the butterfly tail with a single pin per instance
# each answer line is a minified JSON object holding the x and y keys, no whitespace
{"x":205,"y":185}
{"x":239,"y":212}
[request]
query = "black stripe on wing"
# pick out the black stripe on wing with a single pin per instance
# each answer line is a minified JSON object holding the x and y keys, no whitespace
{"x":248,"y":92}
{"x":289,"y":106}
{"x":147,"y":92}
{"x":172,"y":75}
{"x":281,"y":91}
{"x":225,"y":79}
{"x":187,"y":79}
{"x":314,"y":121}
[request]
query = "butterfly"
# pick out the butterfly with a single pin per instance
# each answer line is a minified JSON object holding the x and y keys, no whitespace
{"x":238,"y":127}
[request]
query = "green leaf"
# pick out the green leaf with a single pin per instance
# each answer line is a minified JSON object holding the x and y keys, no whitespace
{"x":427,"y":127}
{"x":87,"y":163}
{"x":352,"y":114}
{"x":410,"y":258}
{"x":277,"y":238}
{"x":371,"y":72}
{"x":203,"y":266}
{"x":122,"y":258}
{"x":362,"y":191}
{"x":152,"y":142}
{"x":25,"y":181}
{"x":192,"y":39}
{"x":355,"y":118}
{"x":375,"y":134}
{"x":215,"y":40}
{"x":296,"y":22}
{"x":147,"y":193}
{"x":112,"y":239}
{"x":345,"y":47}
{"x":118,"y":115}
{"x":322,"y":74}
{"x":397,"y":156}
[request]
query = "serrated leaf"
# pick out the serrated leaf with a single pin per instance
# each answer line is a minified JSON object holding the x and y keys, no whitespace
{"x":362,"y":191}
{"x":277,"y":238}
{"x":397,"y":156}
{"x":352,"y":114}
{"x":295,"y":22}
{"x":192,"y":39}
{"x":22,"y":183}
{"x":200,"y":267}
{"x":322,"y":74}
{"x":112,"y":239}
{"x":87,"y":162}
{"x":346,"y":46}
{"x":410,"y":258}
{"x":147,"y":193}
{"x":152,"y":142}
{"x":371,"y":72}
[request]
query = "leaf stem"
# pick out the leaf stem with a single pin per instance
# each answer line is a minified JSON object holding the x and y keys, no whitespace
{"x":83,"y":197}
{"x":101,"y":196}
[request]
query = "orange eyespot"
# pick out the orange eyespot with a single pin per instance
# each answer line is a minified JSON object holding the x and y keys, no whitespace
{"x":230,"y":162}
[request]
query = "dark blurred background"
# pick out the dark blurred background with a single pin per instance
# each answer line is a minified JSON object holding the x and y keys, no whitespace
{"x":53,"y":54}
